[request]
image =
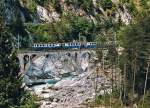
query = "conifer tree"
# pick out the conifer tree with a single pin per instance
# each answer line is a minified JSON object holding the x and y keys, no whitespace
{"x":10,"y":80}
{"x":136,"y":41}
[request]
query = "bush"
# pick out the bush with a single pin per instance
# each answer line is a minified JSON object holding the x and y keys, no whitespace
{"x":29,"y":101}
{"x":69,"y":28}
{"x":30,"y":4}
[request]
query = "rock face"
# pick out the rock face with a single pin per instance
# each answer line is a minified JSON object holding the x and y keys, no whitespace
{"x":125,"y":16}
{"x":73,"y":92}
{"x":71,"y":79}
{"x":10,"y":11}
{"x":47,"y":16}
{"x":57,"y":65}
{"x":49,"y":13}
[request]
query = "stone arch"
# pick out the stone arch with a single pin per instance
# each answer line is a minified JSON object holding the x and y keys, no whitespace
{"x":47,"y":55}
{"x":33,"y":56}
{"x":26,"y":59}
{"x":68,"y":54}
{"x":86,"y":53}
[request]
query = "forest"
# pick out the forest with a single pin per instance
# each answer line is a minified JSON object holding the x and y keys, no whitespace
{"x":125,"y":21}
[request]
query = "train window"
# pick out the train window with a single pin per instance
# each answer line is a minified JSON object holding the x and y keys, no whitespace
{"x":66,"y":44}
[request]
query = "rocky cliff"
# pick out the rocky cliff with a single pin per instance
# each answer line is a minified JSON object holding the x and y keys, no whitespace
{"x":51,"y":10}
{"x":67,"y":20}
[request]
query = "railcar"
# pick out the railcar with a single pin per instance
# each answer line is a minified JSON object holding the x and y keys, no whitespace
{"x":71,"y":45}
{"x":38,"y":46}
{"x":91,"y":45}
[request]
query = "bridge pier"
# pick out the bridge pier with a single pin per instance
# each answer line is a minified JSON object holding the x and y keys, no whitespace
{"x":21,"y":62}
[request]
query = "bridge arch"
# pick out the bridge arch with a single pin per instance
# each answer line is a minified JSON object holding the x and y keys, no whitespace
{"x":85,"y":54}
{"x":68,"y":54}
{"x":26,"y":59}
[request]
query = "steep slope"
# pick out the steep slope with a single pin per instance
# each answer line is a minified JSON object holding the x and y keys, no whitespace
{"x":68,"y":20}
{"x":52,"y":10}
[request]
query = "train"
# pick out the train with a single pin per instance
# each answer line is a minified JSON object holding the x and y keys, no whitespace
{"x":71,"y":45}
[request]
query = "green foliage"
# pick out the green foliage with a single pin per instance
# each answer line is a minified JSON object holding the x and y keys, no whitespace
{"x":144,"y":4}
{"x":106,"y":4}
{"x":69,"y":28}
{"x":10,"y":80}
{"x":82,"y":27}
{"x":30,"y":4}
{"x":41,"y":2}
{"x":107,"y":100}
{"x":86,"y":5}
{"x":56,"y":5}
{"x":136,"y":41}
{"x":132,"y":8}
{"x":40,"y":32}
{"x":28,"y":101}
{"x":11,"y":91}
